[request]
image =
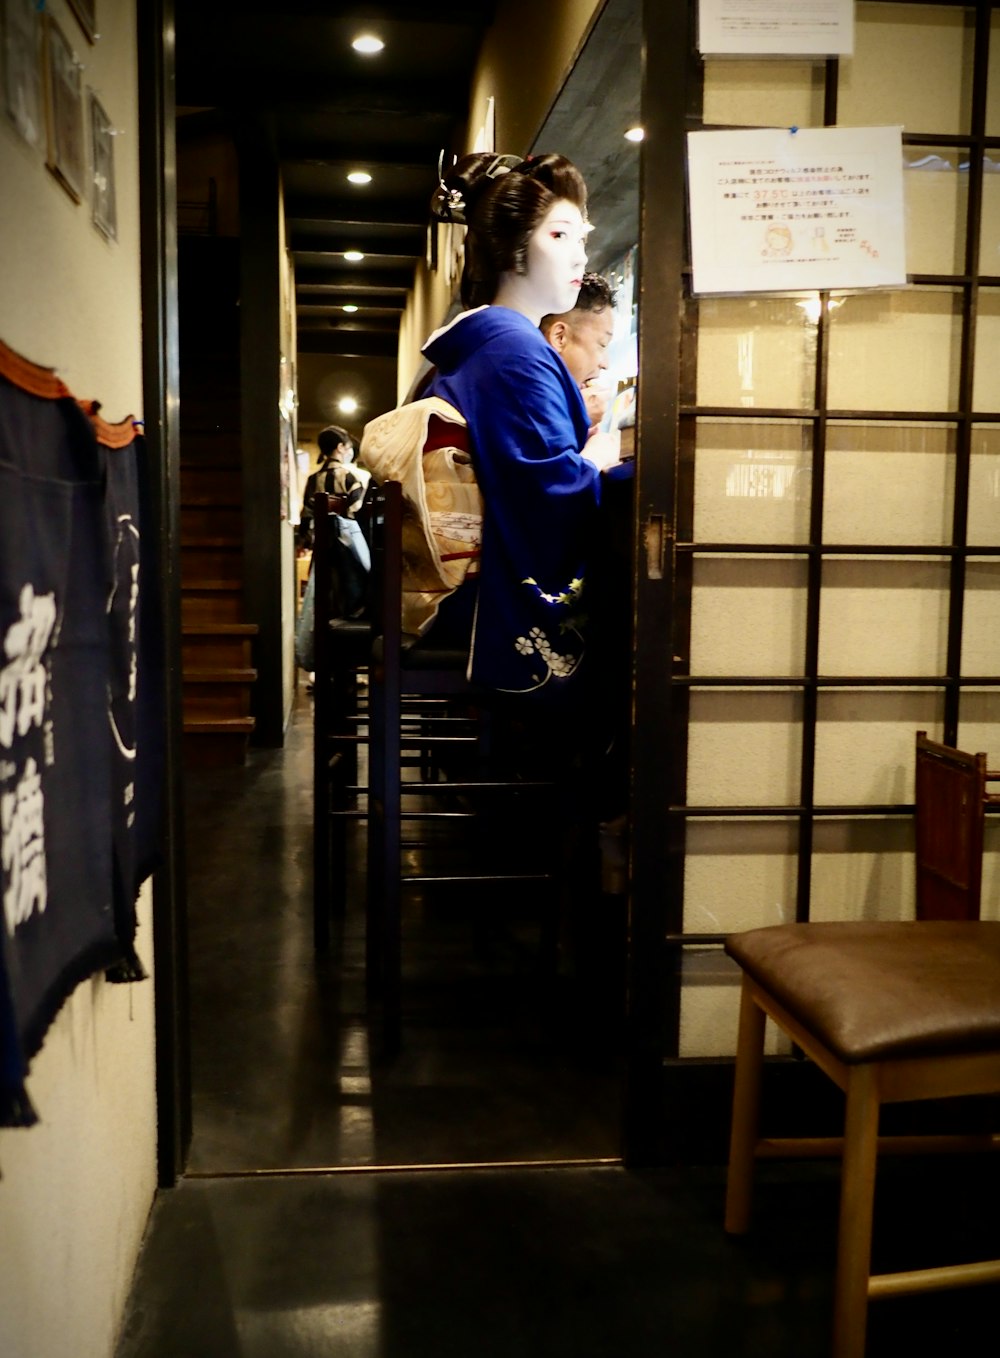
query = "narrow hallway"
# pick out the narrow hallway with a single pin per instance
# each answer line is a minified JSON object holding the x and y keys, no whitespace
{"x":281,"y":1243}
{"x":498,"y":1064}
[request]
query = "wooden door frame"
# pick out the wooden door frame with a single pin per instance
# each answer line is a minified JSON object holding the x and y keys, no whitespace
{"x":161,"y":398}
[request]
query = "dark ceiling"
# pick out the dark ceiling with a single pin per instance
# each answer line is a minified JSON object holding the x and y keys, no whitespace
{"x":290,"y":67}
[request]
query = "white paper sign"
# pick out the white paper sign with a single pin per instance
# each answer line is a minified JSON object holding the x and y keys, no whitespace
{"x":776,"y":27}
{"x":780,"y":210}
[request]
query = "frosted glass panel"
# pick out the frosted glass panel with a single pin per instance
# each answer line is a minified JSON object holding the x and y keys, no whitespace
{"x":979,"y":730}
{"x":990,"y":904}
{"x":989,"y":239}
{"x":986,"y":379}
{"x":993,"y":82}
{"x":748,"y":615}
{"x":895,"y":350}
{"x":762,"y":93}
{"x":710,"y":1012}
{"x":739,"y":874}
{"x":863,"y":870}
{"x":981,"y":621}
{"x":880,"y":615}
{"x":912,"y":65}
{"x":865,"y":744}
{"x":744,"y":748}
{"x":979,"y":725}
{"x":756,"y":351}
{"x":984,"y":487}
{"x":889,"y":484}
{"x":752,"y":481}
{"x":936,"y":196}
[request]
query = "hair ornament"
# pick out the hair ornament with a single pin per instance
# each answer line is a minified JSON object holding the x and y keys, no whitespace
{"x":503,"y":165}
{"x":447,"y":204}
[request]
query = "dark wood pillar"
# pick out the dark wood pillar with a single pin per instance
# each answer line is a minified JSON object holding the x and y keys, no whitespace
{"x":260,"y":356}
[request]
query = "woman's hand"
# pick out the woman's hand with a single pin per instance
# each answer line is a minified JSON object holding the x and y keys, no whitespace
{"x":603,"y":449}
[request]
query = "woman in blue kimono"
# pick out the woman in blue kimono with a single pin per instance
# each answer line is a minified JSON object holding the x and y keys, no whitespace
{"x":540,"y":477}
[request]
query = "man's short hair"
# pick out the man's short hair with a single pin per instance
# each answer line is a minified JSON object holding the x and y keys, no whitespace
{"x":596,"y":294}
{"x":330,"y":438}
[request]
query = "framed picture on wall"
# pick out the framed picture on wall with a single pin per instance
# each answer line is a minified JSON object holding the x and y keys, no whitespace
{"x":22,"y":68}
{"x":102,"y":141}
{"x":64,"y":111}
{"x":86,"y":15}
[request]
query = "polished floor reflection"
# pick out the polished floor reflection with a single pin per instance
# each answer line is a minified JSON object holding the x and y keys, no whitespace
{"x":545,"y":1263}
{"x":284,"y":1242}
{"x":501,"y":1062}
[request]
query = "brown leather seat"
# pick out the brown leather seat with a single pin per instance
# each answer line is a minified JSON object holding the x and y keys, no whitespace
{"x":891,"y":1012}
{"x":882,"y":991}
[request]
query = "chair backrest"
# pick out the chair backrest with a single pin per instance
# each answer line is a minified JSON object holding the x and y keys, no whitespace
{"x":951,"y":801}
{"x":386,"y":541}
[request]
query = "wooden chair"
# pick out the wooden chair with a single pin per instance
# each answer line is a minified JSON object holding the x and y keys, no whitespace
{"x":890,"y":1012}
{"x":342,"y":647}
{"x":451,"y":746}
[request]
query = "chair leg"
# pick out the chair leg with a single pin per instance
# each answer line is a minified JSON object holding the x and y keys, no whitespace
{"x":746,"y":1106}
{"x":857,"y":1197}
{"x":376,"y":829}
{"x":321,"y":829}
{"x":391,"y":888}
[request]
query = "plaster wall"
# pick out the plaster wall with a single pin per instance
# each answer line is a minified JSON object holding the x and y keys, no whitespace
{"x":526,"y":56}
{"x":77,"y":1188}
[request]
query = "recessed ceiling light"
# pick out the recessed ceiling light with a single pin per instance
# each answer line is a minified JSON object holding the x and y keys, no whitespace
{"x":353,"y":256}
{"x":347,"y":405}
{"x":635,"y":134}
{"x":348,"y":306}
{"x":367,"y":44}
{"x":359,"y":177}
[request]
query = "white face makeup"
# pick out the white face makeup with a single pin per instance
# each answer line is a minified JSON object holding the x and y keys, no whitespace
{"x":557,"y":258}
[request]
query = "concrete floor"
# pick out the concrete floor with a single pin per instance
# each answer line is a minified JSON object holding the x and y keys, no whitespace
{"x":297,"y":1232}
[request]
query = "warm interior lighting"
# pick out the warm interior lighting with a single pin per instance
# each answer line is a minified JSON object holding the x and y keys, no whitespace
{"x":359,"y":177}
{"x":347,"y":405}
{"x":367,"y":44}
{"x":353,"y":256}
{"x":635,"y":134}
{"x":348,"y":306}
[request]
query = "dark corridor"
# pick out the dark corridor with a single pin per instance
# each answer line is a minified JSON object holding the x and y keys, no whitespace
{"x":280,"y":1243}
{"x":500,"y":1062}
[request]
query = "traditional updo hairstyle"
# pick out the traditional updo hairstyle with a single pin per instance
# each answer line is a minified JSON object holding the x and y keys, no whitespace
{"x":502,"y":200}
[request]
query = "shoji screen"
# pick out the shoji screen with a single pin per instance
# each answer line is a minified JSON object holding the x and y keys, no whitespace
{"x":838,"y":521}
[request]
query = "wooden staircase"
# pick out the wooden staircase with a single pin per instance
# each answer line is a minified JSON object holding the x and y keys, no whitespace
{"x":216,"y":637}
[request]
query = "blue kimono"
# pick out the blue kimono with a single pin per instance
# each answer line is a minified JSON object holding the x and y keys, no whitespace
{"x":527,"y":424}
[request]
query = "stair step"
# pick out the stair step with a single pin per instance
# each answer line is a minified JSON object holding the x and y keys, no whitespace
{"x":225,"y":541}
{"x":205,"y":522}
{"x":220,"y":674}
{"x":216,"y":645}
{"x":222,"y":726}
{"x":212,"y":606}
{"x":216,"y":742}
{"x":202,"y":566}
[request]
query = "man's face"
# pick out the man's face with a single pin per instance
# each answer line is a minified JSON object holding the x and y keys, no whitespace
{"x":583,"y":341}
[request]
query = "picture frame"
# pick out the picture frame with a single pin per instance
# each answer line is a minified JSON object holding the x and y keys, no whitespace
{"x":22,"y":68}
{"x":64,"y":111}
{"x":104,"y":204}
{"x":86,"y":16}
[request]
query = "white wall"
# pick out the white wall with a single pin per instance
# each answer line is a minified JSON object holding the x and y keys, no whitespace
{"x":77,"y":1188}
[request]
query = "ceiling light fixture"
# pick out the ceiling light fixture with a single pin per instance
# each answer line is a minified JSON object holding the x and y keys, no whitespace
{"x":367,"y":44}
{"x":359,"y":177}
{"x":635,"y":134}
{"x":348,"y":306}
{"x":347,"y":405}
{"x":353,"y":256}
